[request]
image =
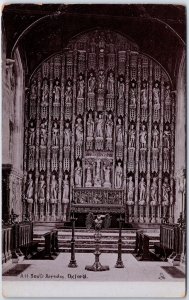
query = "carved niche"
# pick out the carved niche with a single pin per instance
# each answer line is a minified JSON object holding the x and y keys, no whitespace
{"x":100,"y":128}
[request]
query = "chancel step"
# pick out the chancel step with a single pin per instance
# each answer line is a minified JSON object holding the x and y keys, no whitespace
{"x":84,"y":240}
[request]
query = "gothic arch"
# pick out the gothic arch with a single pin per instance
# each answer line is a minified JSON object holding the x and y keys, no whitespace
{"x":100,"y":132}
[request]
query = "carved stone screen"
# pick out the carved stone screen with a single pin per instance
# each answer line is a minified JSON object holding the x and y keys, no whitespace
{"x":99,"y":132}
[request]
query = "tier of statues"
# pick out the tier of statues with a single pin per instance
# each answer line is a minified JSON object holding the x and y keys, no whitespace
{"x":98,"y":175}
{"x":91,"y":129}
{"x":102,"y":82}
{"x":42,"y":188}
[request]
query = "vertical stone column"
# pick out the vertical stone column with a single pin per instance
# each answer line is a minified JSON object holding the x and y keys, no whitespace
{"x":39,"y":79}
{"x":136,"y":172}
{"x":172,"y":166}
{"x":125,"y":138}
{"x":62,"y":119}
{"x":161,"y":151}
{"x":126,"y":118}
{"x":180,"y":133}
{"x":49,"y":143}
{"x":73,"y":126}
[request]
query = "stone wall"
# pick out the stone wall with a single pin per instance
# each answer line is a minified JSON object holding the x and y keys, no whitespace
{"x":180,"y":133}
{"x":12,"y":132}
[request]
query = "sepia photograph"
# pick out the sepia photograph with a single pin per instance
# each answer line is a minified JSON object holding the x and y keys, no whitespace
{"x":93,"y":150}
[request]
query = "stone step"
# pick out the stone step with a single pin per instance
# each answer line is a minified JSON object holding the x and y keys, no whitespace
{"x":88,"y":232}
{"x":91,"y":243}
{"x":88,"y":250}
{"x":84,"y":240}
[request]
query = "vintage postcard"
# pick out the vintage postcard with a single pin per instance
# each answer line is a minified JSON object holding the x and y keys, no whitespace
{"x":93,"y":150}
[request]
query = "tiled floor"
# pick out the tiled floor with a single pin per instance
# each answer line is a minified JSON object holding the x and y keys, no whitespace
{"x":58,"y":269}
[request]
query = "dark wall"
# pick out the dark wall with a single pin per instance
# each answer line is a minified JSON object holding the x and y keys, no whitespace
{"x":159,"y":30}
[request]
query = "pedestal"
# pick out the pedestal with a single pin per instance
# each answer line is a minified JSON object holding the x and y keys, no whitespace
{"x":119,"y":263}
{"x":72,"y":263}
{"x":97,"y":267}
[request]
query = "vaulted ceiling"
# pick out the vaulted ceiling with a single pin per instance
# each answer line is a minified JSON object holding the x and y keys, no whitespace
{"x":41,"y":30}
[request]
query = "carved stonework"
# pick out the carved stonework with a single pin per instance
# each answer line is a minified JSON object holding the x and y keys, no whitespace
{"x":99,"y":129}
{"x":92,"y":196}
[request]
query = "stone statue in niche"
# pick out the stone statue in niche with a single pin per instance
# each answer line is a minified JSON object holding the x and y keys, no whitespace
{"x":80,"y":86}
{"x":31,"y":133}
{"x":29,"y":188}
{"x":133,"y":94}
{"x":131,"y":159}
{"x":155,"y":137}
{"x":166,"y":190}
{"x":144,"y":95}
{"x":144,"y":102}
{"x":109,"y":127}
{"x":154,"y":191}
{"x":68,"y":93}
{"x":132,"y":136}
{"x":55,"y":134}
{"x":97,"y":179}
{"x":121,"y":88}
{"x":119,"y":131}
{"x":165,"y":195}
{"x":167,"y":95}
{"x":110,"y":83}
{"x":118,"y":175}
{"x":78,"y":174}
{"x":33,"y":90}
{"x":41,"y":188}
{"x":99,"y":126}
{"x":65,"y":197}
{"x":142,"y":191}
{"x":165,"y":159}
{"x":142,"y":161}
{"x":107,"y":174}
{"x":130,"y":191}
{"x":167,"y":113}
{"x":56,"y":92}
{"x":88,"y":182}
{"x":54,"y":160}
{"x":93,"y":45}
{"x":156,"y":95}
{"x":101,"y":41}
{"x":101,"y":80}
{"x":91,"y":83}
{"x":54,"y":189}
{"x":42,"y":159}
{"x":79,"y":131}
{"x":182,"y":181}
{"x":143,"y":137}
{"x":31,"y":156}
{"x":67,"y":135}
{"x":29,"y":195}
{"x":166,"y":137}
{"x":90,"y":126}
{"x":155,"y":154}
{"x":43,"y":133}
{"x":45,"y":92}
